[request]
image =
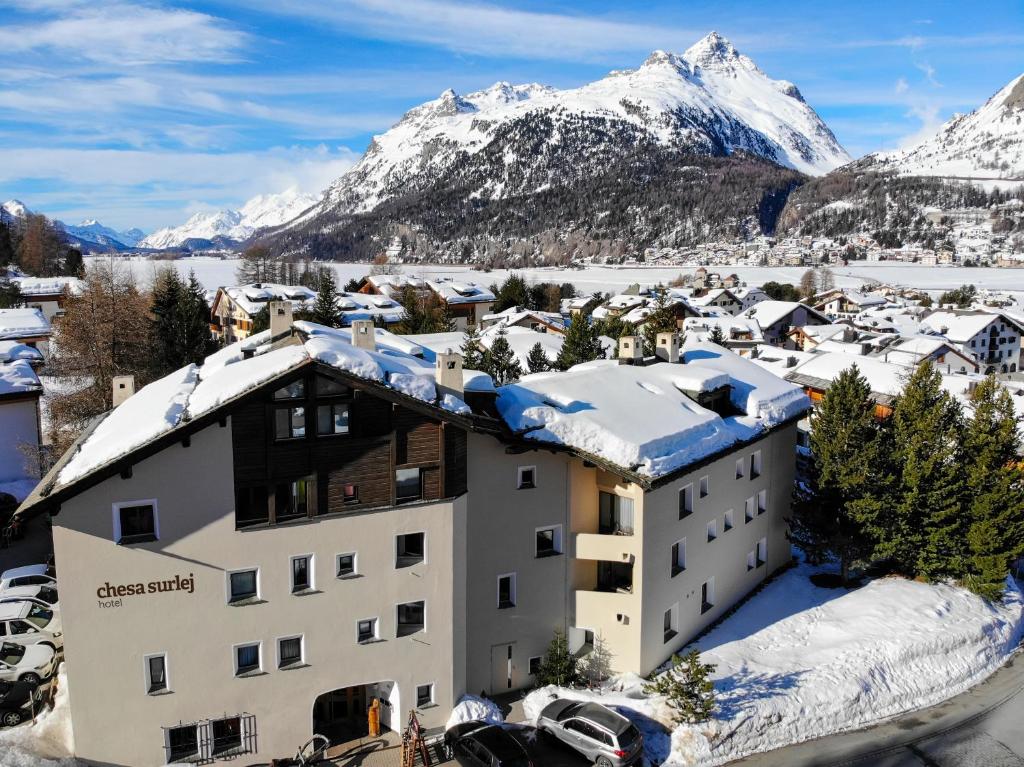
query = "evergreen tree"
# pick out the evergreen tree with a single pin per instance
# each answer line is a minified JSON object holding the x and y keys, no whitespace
{"x":196,"y":341}
{"x":444,"y":321}
{"x":687,"y":688}
{"x":325,"y":308}
{"x":74,"y":266}
{"x":994,"y":489}
{"x":558,"y":666}
{"x":581,"y":343}
{"x":596,"y":665}
{"x":537,"y":361}
{"x":6,"y":246}
{"x":261,"y":320}
{"x":841,"y":487}
{"x":513,"y":292}
{"x":662,"y":319}
{"x":10,"y":293}
{"x":472,"y":357}
{"x":164,"y":325}
{"x":717,"y":336}
{"x":353,"y":285}
{"x":500,"y":361}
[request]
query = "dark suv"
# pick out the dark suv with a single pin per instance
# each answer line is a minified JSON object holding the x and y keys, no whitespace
{"x":479,"y":744}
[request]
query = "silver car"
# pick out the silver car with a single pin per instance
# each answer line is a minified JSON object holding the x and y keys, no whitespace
{"x":603,"y":736}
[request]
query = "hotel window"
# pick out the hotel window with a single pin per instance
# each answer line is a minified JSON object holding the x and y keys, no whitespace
{"x":247,"y":658}
{"x":526,"y":477}
{"x":411,"y":618}
{"x":332,"y":419}
{"x":349,"y":493}
{"x":615,"y":514}
{"x":739,"y":468}
{"x":408,"y":485}
{"x":289,"y":423}
{"x":762,"y":502}
{"x":727,"y":521}
{"x":289,"y":652}
{"x":347,"y":565}
{"x":302,"y":573}
{"x":156,"y":674}
{"x":707,"y":595}
{"x":424,"y":695}
{"x":712,"y":530}
{"x":686,"y":501}
{"x":294,"y":390}
{"x":670,"y":623}
{"x":704,"y":486}
{"x":755,"y":464}
{"x":762,"y":551}
{"x":748,"y":509}
{"x":506,"y":591}
{"x":534,"y":665}
{"x":549,"y":541}
{"x":678,"y":557}
{"x":366,"y":630}
{"x":227,"y":736}
{"x":251,"y":506}
{"x":243,"y":585}
{"x":292,"y":499}
{"x":182,"y":744}
{"x":135,"y":522}
{"x":410,"y":549}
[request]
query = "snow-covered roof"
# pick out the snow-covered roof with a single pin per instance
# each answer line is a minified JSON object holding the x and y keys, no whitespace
{"x":637,"y":416}
{"x":702,"y":327}
{"x":23,"y":323}
{"x":451,"y":291}
{"x":959,"y":326}
{"x":18,"y":377}
{"x":48,"y":286}
{"x":522,"y":340}
{"x":252,"y":298}
{"x":15,"y":350}
{"x":821,"y":333}
{"x":767,"y":313}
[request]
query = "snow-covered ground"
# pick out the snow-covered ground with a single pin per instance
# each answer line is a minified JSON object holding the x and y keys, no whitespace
{"x":798,"y":662}
{"x":48,"y":741}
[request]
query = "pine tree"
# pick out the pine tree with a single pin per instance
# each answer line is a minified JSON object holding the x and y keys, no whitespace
{"x":596,"y":666}
{"x":717,"y":336}
{"x":513,"y":292}
{"x":687,"y":688}
{"x":261,"y":320}
{"x":537,"y":361}
{"x":500,"y":361}
{"x":10,"y":293}
{"x":558,"y":666}
{"x":472,"y":357}
{"x":994,"y":489}
{"x":74,"y":266}
{"x":581,"y":343}
{"x":164,"y":327}
{"x":325,"y":307}
{"x":194,"y":320}
{"x":6,"y":246}
{"x":923,"y":532}
{"x":662,"y":319}
{"x":841,"y":487}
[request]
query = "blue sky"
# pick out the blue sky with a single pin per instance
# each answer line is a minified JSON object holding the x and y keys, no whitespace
{"x":140,"y":113}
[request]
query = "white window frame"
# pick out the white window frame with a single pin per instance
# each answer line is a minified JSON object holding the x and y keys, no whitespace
{"x":513,"y":591}
{"x":740,"y":468}
{"x":749,"y":509}
{"x":705,"y":486}
{"x":712,"y":530}
{"x":519,"y":477}
{"x":559,"y":548}
{"x":762,"y":549}
{"x":673,"y":623}
{"x":429,"y":703}
{"x":755,"y":464}
{"x":355,"y":565}
{"x":677,"y":567}
{"x":376,"y":627}
{"x":227,"y":582}
{"x":234,"y":657}
{"x":762,"y":502}
{"x":710,"y":591}
{"x":425,"y":548}
{"x":146,"y":677}
{"x":686,"y":505}
{"x":310,"y":569}
{"x":751,"y":560}
{"x":302,"y":650}
{"x":409,"y":602}
{"x":116,"y":512}
{"x":728,"y":522}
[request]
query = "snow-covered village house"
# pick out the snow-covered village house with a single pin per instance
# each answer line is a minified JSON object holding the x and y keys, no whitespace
{"x":467,"y":301}
{"x":839,"y":304}
{"x":359,"y":525}
{"x":777,"y":318}
{"x":48,"y":294}
{"x":20,"y":424}
{"x":27,"y":327}
{"x":992,"y":339}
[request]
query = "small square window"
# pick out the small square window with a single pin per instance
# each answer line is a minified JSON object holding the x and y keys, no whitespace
{"x":243,"y":585}
{"x":408,"y":485}
{"x":346,"y":565}
{"x":332,"y":419}
{"x":366,"y":630}
{"x":349,"y":493}
{"x":289,"y":652}
{"x":549,"y":541}
{"x":527,"y":477}
{"x":705,"y":486}
{"x":686,"y":501}
{"x":410,"y":549}
{"x":535,"y":665}
{"x":156,"y":674}
{"x":411,"y":618}
{"x":302,"y":573}
{"x":506,"y":591}
{"x":135,"y":523}
{"x":247,"y":658}
{"x":183,"y":744}
{"x":424,"y":695}
{"x":727,"y":521}
{"x":289,"y":423}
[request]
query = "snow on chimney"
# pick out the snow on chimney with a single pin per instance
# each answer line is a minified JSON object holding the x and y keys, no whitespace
{"x":363,"y":335}
{"x":124,"y":387}
{"x":280,"y":318}
{"x":630,"y":350}
{"x":667,"y":348}
{"x":448,"y":373}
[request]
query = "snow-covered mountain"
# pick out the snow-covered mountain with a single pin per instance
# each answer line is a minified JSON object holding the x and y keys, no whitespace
{"x":709,"y":100}
{"x":988,"y":143}
{"x":233,"y":226}
{"x":93,"y":231}
{"x":13,"y":210}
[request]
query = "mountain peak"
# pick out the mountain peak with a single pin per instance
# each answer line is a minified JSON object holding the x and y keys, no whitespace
{"x":711,"y":49}
{"x":1015,"y":98}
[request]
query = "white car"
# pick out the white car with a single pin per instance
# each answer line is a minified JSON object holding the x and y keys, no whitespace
{"x":26,"y":623}
{"x":29,"y":575}
{"x":42,"y":595}
{"x":34,"y":663}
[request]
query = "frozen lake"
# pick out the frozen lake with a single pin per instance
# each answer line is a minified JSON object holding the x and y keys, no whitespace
{"x":216,"y":272}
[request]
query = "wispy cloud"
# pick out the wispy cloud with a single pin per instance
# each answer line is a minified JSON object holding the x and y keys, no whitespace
{"x":918,"y":42}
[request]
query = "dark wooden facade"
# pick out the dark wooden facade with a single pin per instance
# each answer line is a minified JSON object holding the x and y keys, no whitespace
{"x":340,"y":473}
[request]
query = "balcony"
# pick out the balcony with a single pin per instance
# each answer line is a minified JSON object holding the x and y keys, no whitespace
{"x":606,"y":548}
{"x":601,"y":609}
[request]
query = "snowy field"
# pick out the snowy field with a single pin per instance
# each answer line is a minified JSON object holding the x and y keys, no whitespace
{"x":215,"y":272}
{"x":798,"y":662}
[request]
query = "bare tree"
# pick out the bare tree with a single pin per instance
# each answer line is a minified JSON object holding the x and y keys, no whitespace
{"x":258,"y":265}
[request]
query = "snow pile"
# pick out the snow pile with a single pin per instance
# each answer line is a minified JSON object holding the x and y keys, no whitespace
{"x":351,"y":359}
{"x":18,"y":376}
{"x":47,"y":742}
{"x":418,"y":386}
{"x":799,"y":662}
{"x":455,"y":404}
{"x":23,"y":323}
{"x":13,"y":350}
{"x":470,"y":708}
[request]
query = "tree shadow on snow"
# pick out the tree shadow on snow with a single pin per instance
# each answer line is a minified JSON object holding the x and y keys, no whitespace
{"x":737,"y":694}
{"x":657,"y":740}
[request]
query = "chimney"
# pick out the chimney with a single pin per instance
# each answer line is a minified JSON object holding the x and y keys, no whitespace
{"x":363,"y":335}
{"x":124,"y":387}
{"x":280,"y":318}
{"x":629,"y":350}
{"x":790,"y":362}
{"x":667,"y":348}
{"x":448,"y":373}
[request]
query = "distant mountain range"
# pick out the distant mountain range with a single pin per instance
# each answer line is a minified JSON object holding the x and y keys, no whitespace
{"x":89,"y":236}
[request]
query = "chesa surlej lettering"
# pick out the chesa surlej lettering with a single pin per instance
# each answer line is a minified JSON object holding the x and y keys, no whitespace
{"x":113,"y":593}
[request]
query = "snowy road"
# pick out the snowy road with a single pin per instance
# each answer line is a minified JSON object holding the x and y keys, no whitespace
{"x":980,"y":728}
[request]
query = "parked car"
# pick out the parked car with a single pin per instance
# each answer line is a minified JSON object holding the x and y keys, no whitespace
{"x":29,"y":575}
{"x":26,"y":623}
{"x":19,"y":701}
{"x":42,"y":595}
{"x":34,"y":663}
{"x":603,"y":736}
{"x":479,"y":744}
